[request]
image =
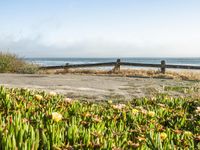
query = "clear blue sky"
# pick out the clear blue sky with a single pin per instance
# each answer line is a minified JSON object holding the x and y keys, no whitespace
{"x":100,"y":28}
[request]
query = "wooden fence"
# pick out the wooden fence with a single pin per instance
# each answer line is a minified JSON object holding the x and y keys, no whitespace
{"x":118,"y":63}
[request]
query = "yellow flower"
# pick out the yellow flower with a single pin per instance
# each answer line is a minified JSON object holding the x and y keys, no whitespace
{"x":87,"y":114}
{"x":56,"y":116}
{"x":151,"y":113}
{"x":143,"y":111}
{"x":177,"y":131}
{"x":68,"y":100}
{"x":7,"y":96}
{"x":141,"y":138}
{"x":134,"y":145}
{"x":161,"y":105}
{"x":188,"y":133}
{"x":163,"y":136}
{"x":52,"y":93}
{"x":96,"y":119}
{"x":153,"y":98}
{"x":198,"y":110}
{"x":38,"y":97}
{"x":109,"y":102}
{"x":134,"y":111}
{"x":119,"y":106}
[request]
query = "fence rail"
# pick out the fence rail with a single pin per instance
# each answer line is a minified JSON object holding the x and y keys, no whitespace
{"x":118,"y":63}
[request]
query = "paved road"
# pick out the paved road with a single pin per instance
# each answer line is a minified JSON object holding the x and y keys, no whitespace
{"x":91,"y":87}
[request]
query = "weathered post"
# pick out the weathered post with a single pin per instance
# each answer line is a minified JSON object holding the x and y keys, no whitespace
{"x":163,"y":67}
{"x":117,"y":66}
{"x":66,"y":68}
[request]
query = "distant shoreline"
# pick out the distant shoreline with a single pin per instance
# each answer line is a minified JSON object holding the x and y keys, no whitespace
{"x":63,"y":61}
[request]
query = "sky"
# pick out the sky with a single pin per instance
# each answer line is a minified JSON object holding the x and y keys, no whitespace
{"x":100,"y":28}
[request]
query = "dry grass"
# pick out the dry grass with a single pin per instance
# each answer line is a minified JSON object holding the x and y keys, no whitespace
{"x":175,"y":74}
{"x":10,"y":63}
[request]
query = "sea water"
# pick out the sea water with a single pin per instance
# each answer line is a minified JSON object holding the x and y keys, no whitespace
{"x":63,"y":61}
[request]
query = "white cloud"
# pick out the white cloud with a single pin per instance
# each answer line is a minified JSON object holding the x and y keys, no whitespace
{"x":60,"y":41}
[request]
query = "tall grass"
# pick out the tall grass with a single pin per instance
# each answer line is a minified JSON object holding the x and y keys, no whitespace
{"x":170,"y":74}
{"x":10,"y":63}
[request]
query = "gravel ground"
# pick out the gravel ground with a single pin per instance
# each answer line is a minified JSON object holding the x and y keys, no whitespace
{"x":94,"y":87}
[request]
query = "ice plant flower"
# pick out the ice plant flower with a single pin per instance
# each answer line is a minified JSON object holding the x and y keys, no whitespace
{"x":38,"y":97}
{"x":109,"y":102}
{"x":68,"y":100}
{"x":141,"y":138}
{"x":96,"y":119}
{"x":197,"y":110}
{"x":52,"y":93}
{"x":143,"y":111}
{"x":87,"y":114}
{"x":119,"y":106}
{"x":151,"y":113}
{"x":7,"y":96}
{"x":177,"y":131}
{"x":134,"y":111}
{"x":134,"y":145}
{"x":161,"y":105}
{"x":197,"y":138}
{"x":163,"y":136}
{"x":188,"y":133}
{"x":56,"y":116}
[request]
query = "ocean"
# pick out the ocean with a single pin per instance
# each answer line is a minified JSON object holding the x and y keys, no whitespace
{"x":63,"y":61}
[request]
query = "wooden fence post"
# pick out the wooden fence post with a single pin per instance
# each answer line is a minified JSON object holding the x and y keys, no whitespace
{"x":163,"y":67}
{"x":66,"y":68}
{"x":117,"y":66}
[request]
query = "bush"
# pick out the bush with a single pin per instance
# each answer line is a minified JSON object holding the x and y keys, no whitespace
{"x":10,"y":63}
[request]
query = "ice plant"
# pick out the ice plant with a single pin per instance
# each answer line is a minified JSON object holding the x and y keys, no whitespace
{"x":109,"y":101}
{"x":96,"y":119}
{"x":197,"y":110}
{"x":119,"y":106}
{"x":133,"y":145}
{"x":188,"y":133}
{"x":56,"y":116}
{"x":151,"y":113}
{"x":68,"y":100}
{"x":38,"y":97}
{"x":143,"y":111}
{"x":161,"y":105}
{"x":134,"y":111}
{"x":163,"y":136}
{"x":52,"y":93}
{"x":28,"y":122}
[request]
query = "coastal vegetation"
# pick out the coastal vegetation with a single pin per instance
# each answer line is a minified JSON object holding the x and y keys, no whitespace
{"x":146,"y":73}
{"x":11,"y":63}
{"x":40,"y":120}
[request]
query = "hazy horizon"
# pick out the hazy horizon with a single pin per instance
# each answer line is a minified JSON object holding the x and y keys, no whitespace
{"x":107,"y":57}
{"x":100,"y":29}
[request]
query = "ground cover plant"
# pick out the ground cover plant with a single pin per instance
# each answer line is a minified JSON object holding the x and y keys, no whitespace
{"x":33,"y":120}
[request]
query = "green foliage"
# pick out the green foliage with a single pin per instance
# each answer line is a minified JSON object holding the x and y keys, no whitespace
{"x":27,"y":122}
{"x":12,"y":64}
{"x":181,"y":89}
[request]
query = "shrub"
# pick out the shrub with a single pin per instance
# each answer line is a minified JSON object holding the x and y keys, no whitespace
{"x":10,"y":63}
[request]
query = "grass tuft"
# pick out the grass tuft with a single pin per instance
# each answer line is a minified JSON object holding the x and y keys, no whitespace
{"x":10,"y":63}
{"x":150,"y":73}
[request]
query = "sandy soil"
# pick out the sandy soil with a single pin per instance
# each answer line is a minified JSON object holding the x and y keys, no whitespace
{"x":93,"y":87}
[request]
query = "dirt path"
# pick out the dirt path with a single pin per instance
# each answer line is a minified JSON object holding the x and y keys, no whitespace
{"x":93,"y":87}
